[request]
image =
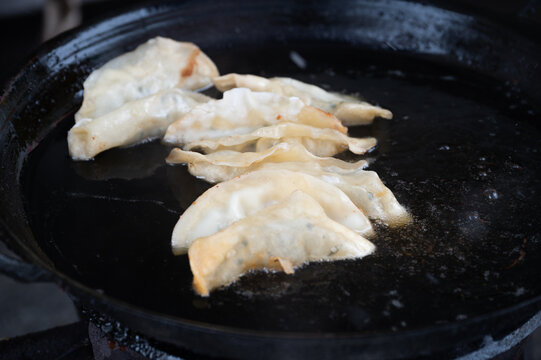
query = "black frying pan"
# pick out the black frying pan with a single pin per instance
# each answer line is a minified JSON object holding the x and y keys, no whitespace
{"x":461,"y":154}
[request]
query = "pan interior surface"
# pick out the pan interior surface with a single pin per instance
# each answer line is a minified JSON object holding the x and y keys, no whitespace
{"x":461,"y":154}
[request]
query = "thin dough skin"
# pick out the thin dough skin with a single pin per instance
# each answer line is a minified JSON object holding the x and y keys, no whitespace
{"x":158,"y":64}
{"x":320,"y":142}
{"x":226,"y":164}
{"x":350,"y":110}
{"x":288,"y":234}
{"x":363,"y":187}
{"x":242,"y":111}
{"x":245,"y":195}
{"x":131,"y":123}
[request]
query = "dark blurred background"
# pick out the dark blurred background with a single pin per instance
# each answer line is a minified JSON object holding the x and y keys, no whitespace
{"x":24,"y":24}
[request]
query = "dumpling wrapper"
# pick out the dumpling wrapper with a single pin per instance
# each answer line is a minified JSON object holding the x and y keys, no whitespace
{"x":364,"y":188}
{"x":283,"y":236}
{"x":320,"y":142}
{"x":230,"y":201}
{"x":350,"y":110}
{"x":131,"y":123}
{"x":158,"y":64}
{"x":226,"y":164}
{"x":242,"y":111}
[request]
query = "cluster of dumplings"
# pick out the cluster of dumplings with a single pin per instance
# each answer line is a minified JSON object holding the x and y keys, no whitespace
{"x":281,"y":199}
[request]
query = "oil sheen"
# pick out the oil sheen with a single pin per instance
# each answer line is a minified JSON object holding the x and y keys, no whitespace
{"x":461,"y":153}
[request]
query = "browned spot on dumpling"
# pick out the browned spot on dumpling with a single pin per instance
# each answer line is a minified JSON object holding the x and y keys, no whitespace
{"x":188,"y":69}
{"x":284,"y":264}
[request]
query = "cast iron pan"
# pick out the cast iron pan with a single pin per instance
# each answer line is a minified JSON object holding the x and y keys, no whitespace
{"x":461,"y":153}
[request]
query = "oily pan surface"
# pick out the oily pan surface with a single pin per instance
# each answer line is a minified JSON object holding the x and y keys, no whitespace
{"x":460,"y":154}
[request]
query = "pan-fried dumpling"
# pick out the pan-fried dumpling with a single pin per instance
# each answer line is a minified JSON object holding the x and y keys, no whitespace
{"x":230,"y":201}
{"x":288,"y":234}
{"x":131,"y":123}
{"x":320,"y":142}
{"x":241,"y":111}
{"x":226,"y":164}
{"x":364,"y":188}
{"x":158,"y":64}
{"x":349,"y":109}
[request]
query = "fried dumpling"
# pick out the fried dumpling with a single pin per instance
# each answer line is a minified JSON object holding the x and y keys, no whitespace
{"x":363,"y":187}
{"x":350,"y":110}
{"x":226,"y":164}
{"x":131,"y":123}
{"x":320,"y":142}
{"x":242,"y":111}
{"x":158,"y":64}
{"x":230,"y":201}
{"x":283,"y":236}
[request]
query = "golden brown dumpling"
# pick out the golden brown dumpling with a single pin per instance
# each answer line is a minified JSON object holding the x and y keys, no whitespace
{"x":158,"y":64}
{"x":242,"y":111}
{"x":283,"y":236}
{"x":226,"y":164}
{"x":320,"y":142}
{"x":350,"y":110}
{"x":230,"y":201}
{"x":133,"y":122}
{"x":363,"y":187}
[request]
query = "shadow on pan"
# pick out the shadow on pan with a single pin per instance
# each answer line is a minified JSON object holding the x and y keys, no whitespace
{"x":461,"y":153}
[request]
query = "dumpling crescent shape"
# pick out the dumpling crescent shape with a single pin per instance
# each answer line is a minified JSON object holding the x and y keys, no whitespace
{"x":350,"y":110}
{"x":364,"y":188}
{"x":232,"y":200}
{"x":242,"y":111}
{"x":320,"y":142}
{"x":282,"y":236}
{"x":226,"y":164}
{"x":133,"y":122}
{"x":158,"y":64}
